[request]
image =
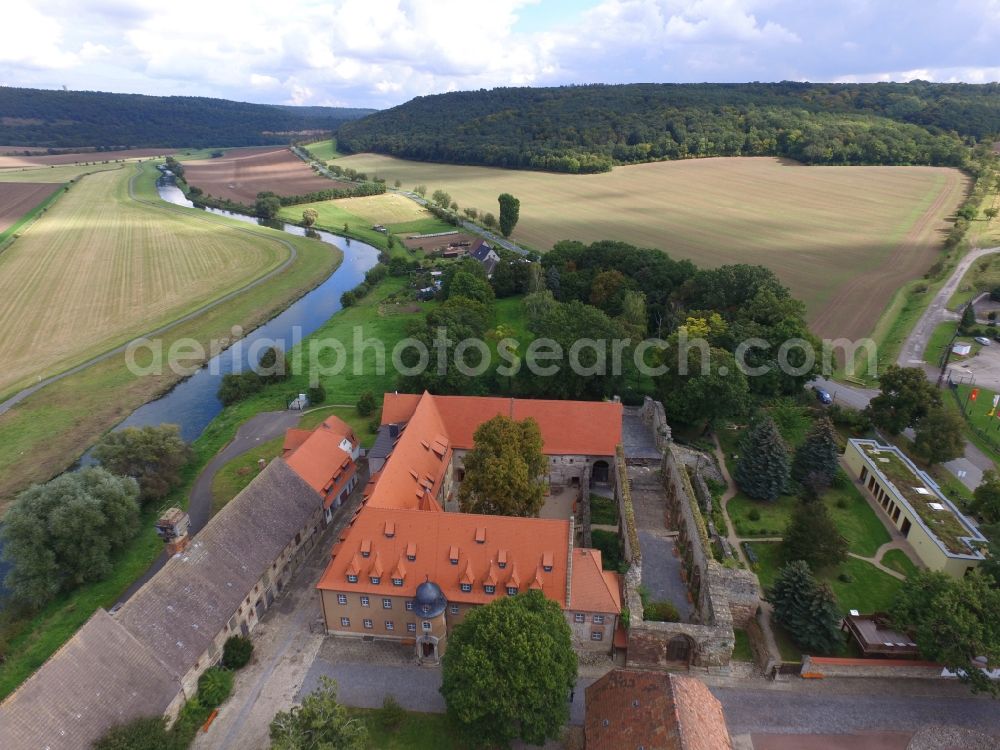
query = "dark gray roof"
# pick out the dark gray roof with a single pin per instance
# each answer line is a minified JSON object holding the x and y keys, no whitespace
{"x":384,"y":443}
{"x":101,"y":677}
{"x":185,"y":605}
{"x":480,"y":250}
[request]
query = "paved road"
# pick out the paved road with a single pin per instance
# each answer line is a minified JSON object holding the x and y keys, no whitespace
{"x":912,"y":352}
{"x":199,"y":215}
{"x":256,"y":430}
{"x":846,"y":706}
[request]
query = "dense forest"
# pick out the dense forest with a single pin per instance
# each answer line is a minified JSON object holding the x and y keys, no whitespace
{"x":65,"y":119}
{"x":591,"y":128}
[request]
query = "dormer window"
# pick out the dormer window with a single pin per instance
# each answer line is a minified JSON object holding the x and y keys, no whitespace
{"x":453,"y":555}
{"x":466,"y":587}
{"x":502,"y":565}
{"x":411,"y":551}
{"x":547,"y":562}
{"x":490,"y":589}
{"x":376,"y":580}
{"x":366,"y":548}
{"x":352,"y":579}
{"x":511,"y":590}
{"x":481,"y":535}
{"x":390,"y":529}
{"x":397,"y":581}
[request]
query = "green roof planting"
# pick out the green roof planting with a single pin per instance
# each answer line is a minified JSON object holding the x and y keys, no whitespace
{"x":954,"y":533}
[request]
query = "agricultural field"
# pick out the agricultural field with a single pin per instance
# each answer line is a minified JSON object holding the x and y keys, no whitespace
{"x":87,"y":157}
{"x":55,"y":174}
{"x":323,"y":150}
{"x":18,"y":198}
{"x":55,"y":424}
{"x":99,"y":269}
{"x":843,"y":238}
{"x":240,"y":176}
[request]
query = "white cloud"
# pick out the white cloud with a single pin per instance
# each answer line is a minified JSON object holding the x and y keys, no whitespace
{"x":381,"y":52}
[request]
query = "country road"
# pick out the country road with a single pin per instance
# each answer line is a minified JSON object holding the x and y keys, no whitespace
{"x":912,"y":352}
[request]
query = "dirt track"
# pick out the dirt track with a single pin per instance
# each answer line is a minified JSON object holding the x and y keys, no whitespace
{"x":241,"y":176}
{"x":17,"y":198}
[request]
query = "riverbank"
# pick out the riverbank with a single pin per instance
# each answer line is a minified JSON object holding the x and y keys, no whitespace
{"x":44,"y":434}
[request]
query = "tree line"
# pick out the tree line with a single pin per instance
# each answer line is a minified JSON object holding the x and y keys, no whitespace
{"x":584,"y":129}
{"x":37,"y":117}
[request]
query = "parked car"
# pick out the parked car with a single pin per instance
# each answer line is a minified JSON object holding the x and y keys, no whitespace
{"x":822,"y":395}
{"x":982,"y":340}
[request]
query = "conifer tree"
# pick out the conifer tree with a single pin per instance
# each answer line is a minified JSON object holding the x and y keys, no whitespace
{"x":813,"y":536}
{"x":815,"y":461}
{"x":807,"y":609}
{"x":762,"y":471}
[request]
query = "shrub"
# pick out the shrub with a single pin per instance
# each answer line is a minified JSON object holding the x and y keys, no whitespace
{"x":660,"y":612}
{"x":237,"y":652}
{"x":140,"y":734}
{"x":842,"y":503}
{"x":367,"y":404}
{"x":316,"y":394}
{"x":846,"y":578}
{"x":754,"y":514}
{"x":214,"y":687}
{"x":391,"y":715}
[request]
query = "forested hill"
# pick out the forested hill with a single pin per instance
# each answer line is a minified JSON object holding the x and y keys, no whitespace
{"x":590,"y":128}
{"x":60,"y":119}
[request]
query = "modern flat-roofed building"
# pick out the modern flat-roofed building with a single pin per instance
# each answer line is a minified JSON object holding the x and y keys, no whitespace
{"x":941,"y":536}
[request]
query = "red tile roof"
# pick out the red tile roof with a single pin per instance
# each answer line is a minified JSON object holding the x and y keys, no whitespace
{"x":319,"y":457}
{"x":590,"y":428}
{"x":412,"y":476}
{"x":594,"y":589}
{"x":434,"y":536}
{"x":628,"y":708}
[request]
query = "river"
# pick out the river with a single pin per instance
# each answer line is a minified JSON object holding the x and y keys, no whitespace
{"x":193,"y":403}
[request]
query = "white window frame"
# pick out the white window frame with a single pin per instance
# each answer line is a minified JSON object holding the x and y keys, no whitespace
{"x":387,"y":604}
{"x":345,"y":622}
{"x":368,"y":624}
{"x":390,"y":626}
{"x":365,"y":601}
{"x":426,"y":625}
{"x":597,"y":635}
{"x":598,"y":619}
{"x":579,"y":617}
{"x":341,"y":598}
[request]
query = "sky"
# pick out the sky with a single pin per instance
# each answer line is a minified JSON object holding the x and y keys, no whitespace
{"x":379,"y":53}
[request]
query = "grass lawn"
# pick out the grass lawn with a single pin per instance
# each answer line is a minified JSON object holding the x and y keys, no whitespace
{"x":859,"y":524}
{"x":939,"y":341}
{"x":870,"y":590}
{"x":773,"y":517}
{"x":325,"y":150}
{"x":898,"y":561}
{"x":603,"y":511}
{"x":239,"y":472}
{"x":417,"y":731}
{"x":742,"y":652}
{"x":787,"y":647}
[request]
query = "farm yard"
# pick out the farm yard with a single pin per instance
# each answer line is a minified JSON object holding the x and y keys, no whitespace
{"x":98,"y":269}
{"x":241,"y":175}
{"x":843,"y":238}
{"x":18,"y":198}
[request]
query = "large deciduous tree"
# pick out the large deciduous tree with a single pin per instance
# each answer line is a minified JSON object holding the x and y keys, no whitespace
{"x":505,"y":470}
{"x":510,"y":211}
{"x":814,"y":464}
{"x":762,"y":470}
{"x":986,"y":498}
{"x":320,"y":723}
{"x":152,"y":455}
{"x":954,"y":622}
{"x":64,"y":533}
{"x":807,"y":609}
{"x":516,"y":685}
{"x":906,"y":398}
{"x":940,"y":436}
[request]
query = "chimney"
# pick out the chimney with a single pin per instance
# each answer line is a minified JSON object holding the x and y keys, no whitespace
{"x":569,"y":562}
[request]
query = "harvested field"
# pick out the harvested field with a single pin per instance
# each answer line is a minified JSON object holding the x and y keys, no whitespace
{"x":13,"y":162}
{"x":55,"y":174}
{"x":99,"y":269}
{"x":239,"y":177}
{"x":17,"y":198}
{"x":843,"y":238}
